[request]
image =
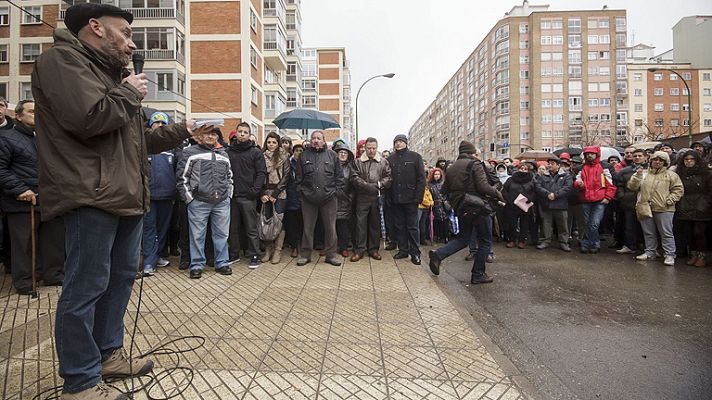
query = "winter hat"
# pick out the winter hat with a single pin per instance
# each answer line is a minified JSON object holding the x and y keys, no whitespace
{"x":555,"y":159}
{"x":232,"y":134}
{"x":662,"y":155}
{"x":78,"y":15}
{"x":466,"y":148}
{"x":565,"y":156}
{"x":158,"y":116}
{"x":402,"y":138}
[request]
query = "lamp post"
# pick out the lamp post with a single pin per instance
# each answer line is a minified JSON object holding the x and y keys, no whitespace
{"x":389,"y":75}
{"x":689,"y":101}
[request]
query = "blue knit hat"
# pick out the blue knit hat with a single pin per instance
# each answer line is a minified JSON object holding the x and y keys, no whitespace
{"x":158,"y":116}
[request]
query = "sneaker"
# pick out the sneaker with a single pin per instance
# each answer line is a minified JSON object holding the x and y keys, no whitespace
{"x":162,"y":262}
{"x":645,"y":257}
{"x":565,"y":247}
{"x":542,"y":246}
{"x":196,"y":273}
{"x":254,"y":262}
{"x":119,"y":366}
{"x":483,"y":279}
{"x":303,"y":261}
{"x":100,"y":391}
{"x":470,"y":257}
{"x":434,"y":262}
{"x":490,"y":258}
{"x":669,"y":261}
{"x":149,"y":271}
{"x":333,"y":261}
{"x":226,"y":270}
{"x":233,"y":260}
{"x":624,"y":250}
{"x":415,"y":259}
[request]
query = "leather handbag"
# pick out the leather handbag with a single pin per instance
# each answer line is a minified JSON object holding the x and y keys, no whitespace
{"x":269,"y":228}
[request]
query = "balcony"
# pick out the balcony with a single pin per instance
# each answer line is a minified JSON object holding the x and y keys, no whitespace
{"x":501,"y":127}
{"x":292,"y":104}
{"x":146,"y":13}
{"x":275,"y":55}
{"x":162,"y":55}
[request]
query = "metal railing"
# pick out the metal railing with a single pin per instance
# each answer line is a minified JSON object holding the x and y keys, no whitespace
{"x":161,"y":54}
{"x":142,"y":13}
{"x":292,"y":104}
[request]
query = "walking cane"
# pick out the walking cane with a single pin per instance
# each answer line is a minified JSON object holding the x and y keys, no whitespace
{"x":383,"y":220}
{"x":34,"y":250}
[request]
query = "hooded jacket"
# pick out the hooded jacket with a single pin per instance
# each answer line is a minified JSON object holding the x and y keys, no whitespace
{"x":248,"y":169}
{"x":204,"y":174}
{"x":660,"y":187}
{"x":346,"y":196}
{"x":92,"y":142}
{"x":594,"y":182}
{"x":371,"y":175}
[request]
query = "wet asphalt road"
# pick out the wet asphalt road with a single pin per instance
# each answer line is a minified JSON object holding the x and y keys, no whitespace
{"x":594,"y":326}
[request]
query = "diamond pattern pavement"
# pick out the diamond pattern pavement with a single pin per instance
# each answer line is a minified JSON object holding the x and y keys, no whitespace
{"x":365,"y":330}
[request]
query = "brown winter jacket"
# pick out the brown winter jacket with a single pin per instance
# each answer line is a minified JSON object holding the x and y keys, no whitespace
{"x":454,"y":184}
{"x":92,"y":143}
{"x":370,"y":175}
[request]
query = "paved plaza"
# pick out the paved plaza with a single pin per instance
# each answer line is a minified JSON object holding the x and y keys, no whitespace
{"x":367,"y":330}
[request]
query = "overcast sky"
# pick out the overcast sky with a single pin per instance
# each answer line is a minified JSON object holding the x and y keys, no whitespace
{"x":425,"y":41}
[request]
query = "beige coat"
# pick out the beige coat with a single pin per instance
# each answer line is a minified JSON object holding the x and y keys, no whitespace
{"x":660,"y":187}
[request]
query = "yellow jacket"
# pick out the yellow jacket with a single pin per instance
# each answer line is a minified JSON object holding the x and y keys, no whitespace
{"x":427,"y":199}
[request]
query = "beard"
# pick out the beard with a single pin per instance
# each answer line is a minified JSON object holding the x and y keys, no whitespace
{"x":116,"y":58}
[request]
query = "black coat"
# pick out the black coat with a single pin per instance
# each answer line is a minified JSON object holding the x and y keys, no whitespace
{"x":441,"y":206}
{"x":520,"y":183}
{"x":626,"y":197}
{"x":248,"y":169}
{"x":18,"y":167}
{"x":454,"y":185}
{"x":408,"y":177}
{"x":560,"y":184}
{"x":696,"y":203}
{"x":319,"y":176}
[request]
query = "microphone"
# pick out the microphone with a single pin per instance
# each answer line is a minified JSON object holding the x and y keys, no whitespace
{"x":137,"y":60}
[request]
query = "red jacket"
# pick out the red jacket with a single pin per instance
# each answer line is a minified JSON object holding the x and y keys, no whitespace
{"x":594,"y":182}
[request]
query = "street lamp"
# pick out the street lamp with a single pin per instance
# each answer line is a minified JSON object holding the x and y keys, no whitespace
{"x":390,"y":75}
{"x":689,"y":101}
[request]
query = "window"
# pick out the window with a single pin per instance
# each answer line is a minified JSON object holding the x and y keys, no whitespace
{"x":593,"y":87}
{"x":558,"y":103}
{"x":3,"y":54}
{"x":604,"y":55}
{"x":659,"y":107}
{"x":592,"y":55}
{"x":557,"y":56}
{"x":705,"y":76}
{"x":605,"y":102}
{"x":181,"y":83}
{"x":706,"y":92}
{"x":3,"y":89}
{"x":253,"y":20}
{"x":687,"y":76}
{"x":705,"y":107}
{"x":546,"y":119}
{"x":575,"y":103}
{"x":309,"y":100}
{"x":26,"y":91}
{"x":546,"y":40}
{"x":659,"y":77}
{"x":524,"y":135}
{"x":253,"y":57}
{"x":5,"y":16}
{"x":674,"y":107}
{"x":659,"y":122}
{"x":605,"y":117}
{"x":638,"y":108}
{"x":593,"y":102}
{"x":30,"y":52}
{"x":523,"y":120}
{"x":523,"y":44}
{"x":604,"y":71}
{"x":524,"y":59}
{"x":592,"y":39}
{"x":557,"y":88}
{"x":708,"y":122}
{"x":545,"y":24}
{"x":546,"y":134}
{"x":685,"y":107}
{"x":523,"y":28}
{"x":557,"y":24}
{"x":574,"y":71}
{"x":575,"y":56}
{"x":674,"y":122}
{"x":637,"y":92}
{"x":523,"y":74}
{"x":546,"y":104}
{"x":254,"y":95}
{"x":546,"y":88}
{"x":557,"y":40}
{"x":637,"y":76}
{"x":523,"y":105}
{"x":575,"y":87}
{"x":32,"y":16}
{"x":592,"y":23}
{"x":604,"y":87}
{"x":620,"y":24}
{"x":604,"y":39}
{"x":674,"y":91}
{"x":658,"y":91}
{"x":574,"y":41}
{"x":638,"y":122}
{"x":603,"y":23}
{"x":574,"y":25}
{"x":309,"y":84}
{"x":164,"y":81}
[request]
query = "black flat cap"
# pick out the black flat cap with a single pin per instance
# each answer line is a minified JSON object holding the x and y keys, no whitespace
{"x":78,"y":15}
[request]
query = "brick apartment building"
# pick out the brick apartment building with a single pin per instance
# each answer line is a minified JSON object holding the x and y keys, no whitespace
{"x":539,"y":79}
{"x":236,"y":60}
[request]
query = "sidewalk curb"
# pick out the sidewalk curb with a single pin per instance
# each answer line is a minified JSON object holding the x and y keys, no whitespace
{"x":456,"y":292}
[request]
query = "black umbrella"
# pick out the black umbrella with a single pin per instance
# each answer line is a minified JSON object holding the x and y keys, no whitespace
{"x":301,"y":118}
{"x":573,"y":151}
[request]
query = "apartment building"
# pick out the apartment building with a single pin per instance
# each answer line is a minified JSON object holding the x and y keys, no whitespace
{"x":539,"y":79}
{"x":327,"y":87}
{"x":659,"y":101}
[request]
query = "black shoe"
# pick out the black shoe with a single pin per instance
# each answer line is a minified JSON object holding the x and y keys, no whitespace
{"x":56,"y":283}
{"x":584,"y":250}
{"x":415,"y":259}
{"x":434,"y":262}
{"x":615,"y":245}
{"x":184,"y":265}
{"x":594,"y":251}
{"x":333,"y":261}
{"x":470,"y":257}
{"x":391,"y":246}
{"x":233,"y":260}
{"x":483,"y":279}
{"x":196,"y":274}
{"x":224,"y":270}
{"x":24,"y":291}
{"x":400,"y":255}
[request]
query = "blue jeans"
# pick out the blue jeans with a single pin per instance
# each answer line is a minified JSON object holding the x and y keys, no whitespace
{"x":592,"y":216}
{"x":482,"y":229}
{"x":100,"y":268}
{"x":155,"y":231}
{"x":199,"y":213}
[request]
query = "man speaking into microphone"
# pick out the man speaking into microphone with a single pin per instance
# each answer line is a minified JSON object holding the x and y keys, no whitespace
{"x":93,"y":170}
